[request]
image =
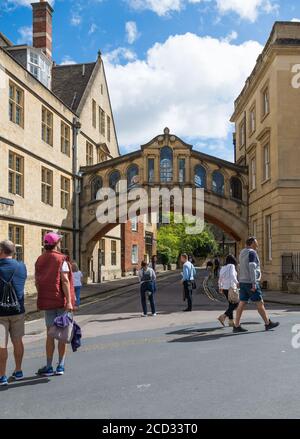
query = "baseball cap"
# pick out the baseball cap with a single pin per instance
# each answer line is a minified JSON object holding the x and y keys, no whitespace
{"x":52,"y":238}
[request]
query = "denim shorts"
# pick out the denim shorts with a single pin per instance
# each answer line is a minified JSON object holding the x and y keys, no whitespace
{"x":50,"y":316}
{"x":246,"y":293}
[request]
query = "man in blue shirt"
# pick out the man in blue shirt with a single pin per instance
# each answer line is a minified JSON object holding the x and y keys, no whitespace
{"x":12,"y":325}
{"x":188,"y":276}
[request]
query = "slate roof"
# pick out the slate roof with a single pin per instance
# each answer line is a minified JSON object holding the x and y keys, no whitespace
{"x":69,"y":82}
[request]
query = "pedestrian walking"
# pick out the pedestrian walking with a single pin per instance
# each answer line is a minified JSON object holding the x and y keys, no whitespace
{"x":77,"y":281}
{"x":13,"y":276}
{"x":250,"y":290}
{"x":188,"y":279}
{"x":228,"y":285}
{"x":217,"y":265}
{"x":54,"y":283}
{"x":147,"y":279}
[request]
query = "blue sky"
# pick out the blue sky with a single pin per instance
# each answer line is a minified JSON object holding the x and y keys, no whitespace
{"x":176,"y":63}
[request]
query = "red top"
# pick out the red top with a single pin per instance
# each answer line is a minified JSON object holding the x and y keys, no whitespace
{"x":48,"y":281}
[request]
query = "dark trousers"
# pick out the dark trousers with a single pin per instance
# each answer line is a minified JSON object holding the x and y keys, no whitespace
{"x":231,"y":307}
{"x":144,"y":296}
{"x":188,"y":294}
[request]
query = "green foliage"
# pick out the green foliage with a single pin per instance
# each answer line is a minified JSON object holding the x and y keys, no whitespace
{"x":172,"y":240}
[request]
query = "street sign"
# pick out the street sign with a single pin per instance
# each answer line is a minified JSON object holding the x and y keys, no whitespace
{"x":7,"y":201}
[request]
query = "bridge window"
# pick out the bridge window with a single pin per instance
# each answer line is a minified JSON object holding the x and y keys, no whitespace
{"x":96,"y":184}
{"x":200,"y":176}
{"x":166,"y":165}
{"x":132,"y":176}
{"x":236,"y":188}
{"x":181,"y":167}
{"x":218,"y":183}
{"x":114,"y":179}
{"x":150,"y":170}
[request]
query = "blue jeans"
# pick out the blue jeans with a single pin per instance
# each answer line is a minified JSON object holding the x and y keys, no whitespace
{"x":144,"y":296}
{"x":77,"y":293}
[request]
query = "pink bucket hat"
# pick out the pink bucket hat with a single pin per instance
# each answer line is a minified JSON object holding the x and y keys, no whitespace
{"x":52,"y":238}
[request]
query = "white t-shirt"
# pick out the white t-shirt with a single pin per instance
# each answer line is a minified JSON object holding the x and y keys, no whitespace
{"x":77,"y":275}
{"x":65,"y":267}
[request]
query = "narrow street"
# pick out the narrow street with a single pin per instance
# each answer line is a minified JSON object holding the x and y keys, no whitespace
{"x":175,"y":365}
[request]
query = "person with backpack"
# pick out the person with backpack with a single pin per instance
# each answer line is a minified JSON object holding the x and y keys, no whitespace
{"x":13,"y":275}
{"x":147,"y":278}
{"x":228,"y":285}
{"x":56,"y":296}
{"x":188,"y":280}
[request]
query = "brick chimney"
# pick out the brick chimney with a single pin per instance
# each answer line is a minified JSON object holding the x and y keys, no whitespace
{"x":42,"y":27}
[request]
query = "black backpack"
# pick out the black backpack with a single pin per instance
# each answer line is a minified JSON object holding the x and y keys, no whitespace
{"x":9,"y":303}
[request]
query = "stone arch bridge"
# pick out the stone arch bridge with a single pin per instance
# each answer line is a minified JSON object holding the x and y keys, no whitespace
{"x":167,"y":161}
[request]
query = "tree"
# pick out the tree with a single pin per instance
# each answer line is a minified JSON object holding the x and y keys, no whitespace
{"x":172,"y":240}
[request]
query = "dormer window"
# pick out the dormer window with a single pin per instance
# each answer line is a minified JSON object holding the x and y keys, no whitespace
{"x":39,"y":66}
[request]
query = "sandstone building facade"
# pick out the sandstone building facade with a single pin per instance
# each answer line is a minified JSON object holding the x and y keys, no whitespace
{"x":54,"y":119}
{"x":266,"y":118}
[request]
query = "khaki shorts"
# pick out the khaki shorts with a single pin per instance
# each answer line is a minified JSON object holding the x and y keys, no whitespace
{"x":13,"y":326}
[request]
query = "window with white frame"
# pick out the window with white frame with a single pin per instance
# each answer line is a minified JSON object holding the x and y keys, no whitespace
{"x":134,"y":224}
{"x":135,"y":254}
{"x":269,"y":238}
{"x":265,"y":101}
{"x":253,"y":173}
{"x":39,"y":66}
{"x":242,"y":134}
{"x":266,"y":161}
{"x":252,"y":120}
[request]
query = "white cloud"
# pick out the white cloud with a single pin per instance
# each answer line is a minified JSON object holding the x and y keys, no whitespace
{"x":12,"y":3}
{"x":93,"y":28}
{"x":121,"y":53}
{"x":161,"y":7}
{"x":75,"y":20}
{"x":132,"y":32}
{"x":25,"y":35}
{"x":231,"y":37}
{"x":295,"y":20}
{"x":67,"y":60}
{"x":247,"y":9}
{"x":188,"y":83}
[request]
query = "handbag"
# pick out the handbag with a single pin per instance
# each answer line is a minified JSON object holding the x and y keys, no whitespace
{"x":233,"y":295}
{"x":63,"y":334}
{"x":9,"y":303}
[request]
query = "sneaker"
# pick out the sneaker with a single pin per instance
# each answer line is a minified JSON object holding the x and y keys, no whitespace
{"x":271,"y":325}
{"x":187,"y":310}
{"x":144,"y":315}
{"x":3,"y":381}
{"x":46,"y":371}
{"x":18,"y":375}
{"x":154,"y":314}
{"x":60,"y":370}
{"x":239,"y":329}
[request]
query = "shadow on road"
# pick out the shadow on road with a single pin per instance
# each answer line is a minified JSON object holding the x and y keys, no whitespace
{"x":29,"y":381}
{"x":207,"y":334}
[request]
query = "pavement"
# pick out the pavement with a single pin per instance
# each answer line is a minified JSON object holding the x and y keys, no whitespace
{"x":175,"y":365}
